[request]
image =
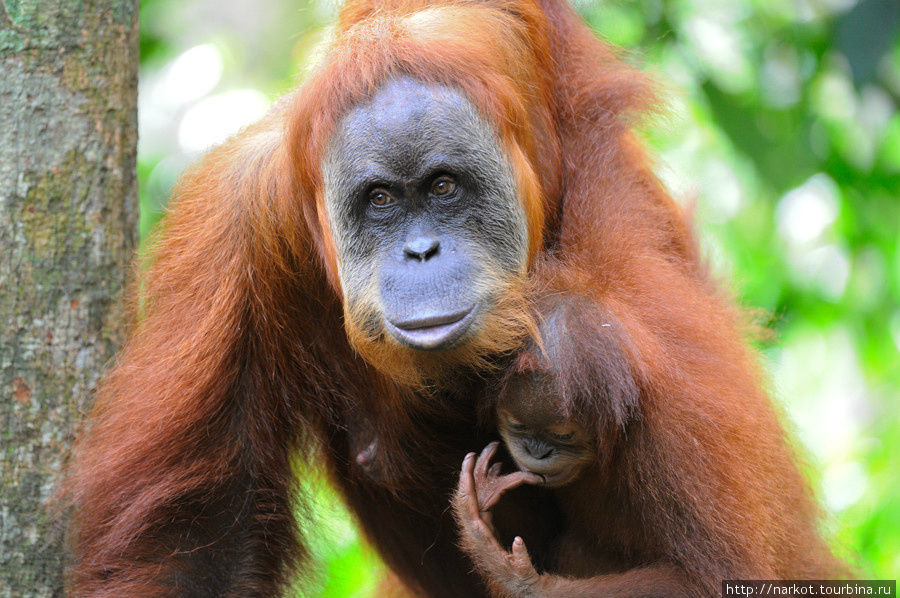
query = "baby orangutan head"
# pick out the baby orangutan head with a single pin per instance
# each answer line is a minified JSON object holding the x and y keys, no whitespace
{"x":539,"y":439}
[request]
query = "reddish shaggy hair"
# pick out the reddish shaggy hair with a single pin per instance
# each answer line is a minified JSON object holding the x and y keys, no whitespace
{"x":184,"y":483}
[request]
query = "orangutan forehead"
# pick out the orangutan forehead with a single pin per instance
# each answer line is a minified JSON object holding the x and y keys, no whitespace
{"x":408,"y":127}
{"x":531,"y":400}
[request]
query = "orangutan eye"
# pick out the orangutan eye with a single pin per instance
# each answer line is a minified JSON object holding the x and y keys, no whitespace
{"x":566,"y":436}
{"x":380,"y":198}
{"x":443,"y":186}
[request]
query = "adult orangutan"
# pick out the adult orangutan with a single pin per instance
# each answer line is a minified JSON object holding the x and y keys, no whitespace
{"x":375,"y":246}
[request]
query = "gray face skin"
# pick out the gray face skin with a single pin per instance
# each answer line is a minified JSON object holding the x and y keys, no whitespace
{"x":424,"y":213}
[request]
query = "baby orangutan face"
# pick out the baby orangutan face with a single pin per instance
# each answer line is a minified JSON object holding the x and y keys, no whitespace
{"x":539,"y":439}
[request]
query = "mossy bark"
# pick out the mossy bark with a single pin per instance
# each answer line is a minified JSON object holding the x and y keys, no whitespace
{"x":68,"y":226}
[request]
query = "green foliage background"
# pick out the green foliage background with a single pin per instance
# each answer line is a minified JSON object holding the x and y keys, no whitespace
{"x":779,"y":130}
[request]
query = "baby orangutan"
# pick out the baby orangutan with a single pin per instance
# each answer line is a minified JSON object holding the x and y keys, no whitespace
{"x":562,"y":455}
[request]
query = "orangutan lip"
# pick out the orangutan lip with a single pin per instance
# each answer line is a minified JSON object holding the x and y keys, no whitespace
{"x":433,"y":321}
{"x":548,"y":479}
{"x":433,"y":331}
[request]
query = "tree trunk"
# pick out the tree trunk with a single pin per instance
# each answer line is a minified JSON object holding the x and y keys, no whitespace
{"x":68,"y":225}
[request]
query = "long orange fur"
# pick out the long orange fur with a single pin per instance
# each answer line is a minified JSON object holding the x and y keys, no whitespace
{"x":237,"y":368}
